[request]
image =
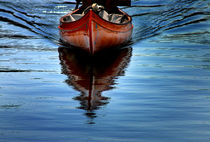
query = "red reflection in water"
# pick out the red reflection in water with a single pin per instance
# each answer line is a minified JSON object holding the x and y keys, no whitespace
{"x":91,"y":75}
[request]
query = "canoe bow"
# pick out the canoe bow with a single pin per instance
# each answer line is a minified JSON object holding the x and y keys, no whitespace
{"x":92,"y":33}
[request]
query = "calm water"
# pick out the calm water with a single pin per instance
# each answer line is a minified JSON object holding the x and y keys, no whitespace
{"x":155,"y":90}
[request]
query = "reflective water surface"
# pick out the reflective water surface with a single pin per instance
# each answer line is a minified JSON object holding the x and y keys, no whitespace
{"x":157,"y":89}
{"x":91,"y":75}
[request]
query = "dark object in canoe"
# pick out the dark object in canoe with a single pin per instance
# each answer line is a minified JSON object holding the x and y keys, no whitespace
{"x":111,"y":2}
{"x":106,"y":3}
{"x":122,"y":2}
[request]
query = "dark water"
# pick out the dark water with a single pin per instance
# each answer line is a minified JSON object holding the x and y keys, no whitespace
{"x":155,"y":90}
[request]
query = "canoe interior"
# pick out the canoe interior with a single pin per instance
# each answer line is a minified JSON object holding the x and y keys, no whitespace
{"x":118,"y":17}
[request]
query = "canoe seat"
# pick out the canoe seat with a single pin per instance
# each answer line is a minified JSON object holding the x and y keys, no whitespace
{"x":103,"y":14}
{"x":117,"y":18}
{"x":73,"y":17}
{"x":114,"y":18}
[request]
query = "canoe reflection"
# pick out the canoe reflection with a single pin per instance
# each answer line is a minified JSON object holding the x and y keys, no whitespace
{"x":91,"y":75}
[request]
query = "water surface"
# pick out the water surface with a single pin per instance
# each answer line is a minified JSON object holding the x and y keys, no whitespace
{"x":154,"y":90}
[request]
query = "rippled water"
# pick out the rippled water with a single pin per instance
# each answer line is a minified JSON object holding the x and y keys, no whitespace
{"x":155,"y":90}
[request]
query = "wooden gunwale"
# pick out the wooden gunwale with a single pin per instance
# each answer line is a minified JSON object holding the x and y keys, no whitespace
{"x":75,"y":25}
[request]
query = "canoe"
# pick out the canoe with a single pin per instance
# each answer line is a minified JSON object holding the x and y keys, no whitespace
{"x":93,"y":32}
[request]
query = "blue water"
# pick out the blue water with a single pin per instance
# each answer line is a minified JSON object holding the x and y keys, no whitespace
{"x":155,"y":90}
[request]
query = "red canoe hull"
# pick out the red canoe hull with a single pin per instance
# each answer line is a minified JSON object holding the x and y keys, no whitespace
{"x":92,"y":33}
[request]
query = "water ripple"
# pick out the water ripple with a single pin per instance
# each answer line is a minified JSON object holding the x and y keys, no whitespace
{"x":149,"y":22}
{"x":150,"y":18}
{"x":155,"y":90}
